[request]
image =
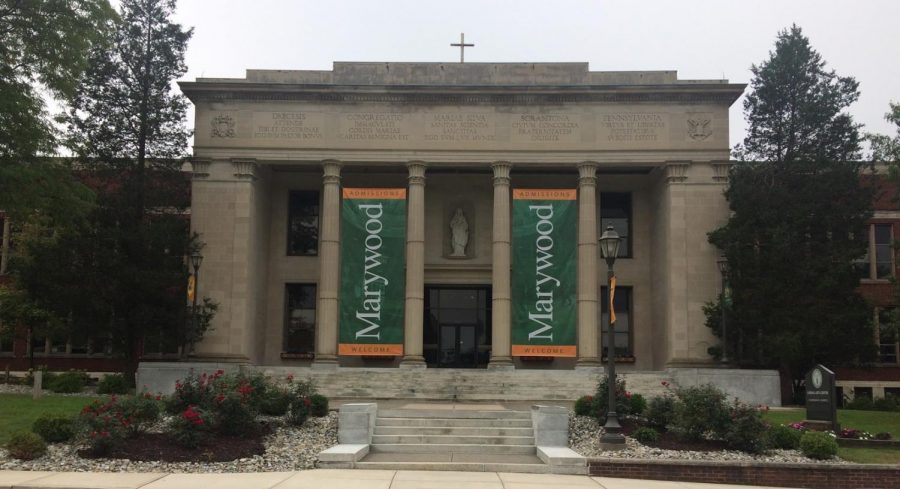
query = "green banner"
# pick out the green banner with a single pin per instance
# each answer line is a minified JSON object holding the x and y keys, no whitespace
{"x":544,"y":272}
{"x":373,"y":258}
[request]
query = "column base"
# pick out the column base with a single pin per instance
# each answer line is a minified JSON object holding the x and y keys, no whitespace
{"x":324,"y":362}
{"x":588,"y":363}
{"x":612,"y":445}
{"x":501,"y":363}
{"x":413,"y":362}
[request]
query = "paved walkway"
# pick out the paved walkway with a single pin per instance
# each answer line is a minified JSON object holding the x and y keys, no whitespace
{"x":333,"y":479}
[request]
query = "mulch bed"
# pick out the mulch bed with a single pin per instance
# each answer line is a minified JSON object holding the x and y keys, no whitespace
{"x":158,"y":447}
{"x":670,"y":441}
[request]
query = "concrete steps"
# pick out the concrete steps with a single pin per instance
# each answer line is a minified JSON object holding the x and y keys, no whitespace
{"x":464,"y":384}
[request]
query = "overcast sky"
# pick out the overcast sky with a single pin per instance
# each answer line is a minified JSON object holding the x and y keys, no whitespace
{"x":698,"y":38}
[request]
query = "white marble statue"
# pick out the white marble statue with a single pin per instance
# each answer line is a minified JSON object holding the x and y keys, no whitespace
{"x":459,"y":234}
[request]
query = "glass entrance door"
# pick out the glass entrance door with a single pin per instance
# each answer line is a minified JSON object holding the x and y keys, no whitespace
{"x":457,"y":327}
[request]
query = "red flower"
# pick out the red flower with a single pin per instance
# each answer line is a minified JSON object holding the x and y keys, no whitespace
{"x":220,"y":398}
{"x":192,"y":416}
{"x":245,"y":389}
{"x":104,"y":434}
{"x":306,"y":401}
{"x":627,"y":395}
{"x":290,"y":377}
{"x":664,"y":383}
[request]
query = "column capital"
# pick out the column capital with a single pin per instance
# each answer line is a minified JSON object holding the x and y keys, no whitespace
{"x":501,"y":172}
{"x":587,"y":173}
{"x":331,"y":170}
{"x":676,"y":171}
{"x":721,"y":169}
{"x":200,"y":167}
{"x":416,"y":170}
{"x":244,"y":168}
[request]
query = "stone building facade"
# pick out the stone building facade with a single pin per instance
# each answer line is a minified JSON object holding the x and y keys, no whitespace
{"x":644,"y":151}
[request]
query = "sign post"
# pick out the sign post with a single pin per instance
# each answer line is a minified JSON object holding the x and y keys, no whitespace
{"x":821,"y":399}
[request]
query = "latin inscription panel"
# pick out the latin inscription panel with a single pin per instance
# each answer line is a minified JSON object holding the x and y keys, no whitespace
{"x":460,"y":127}
{"x":373,"y":126}
{"x":632,"y":127}
{"x":288,"y":126}
{"x":545,"y":128}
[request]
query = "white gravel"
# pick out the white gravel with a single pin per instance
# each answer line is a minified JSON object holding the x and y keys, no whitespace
{"x":584,"y":438}
{"x":287,"y":449}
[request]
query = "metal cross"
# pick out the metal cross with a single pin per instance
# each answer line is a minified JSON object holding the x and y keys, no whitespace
{"x":462,"y":47}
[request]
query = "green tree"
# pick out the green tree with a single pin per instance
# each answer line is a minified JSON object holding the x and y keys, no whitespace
{"x":127,"y":125}
{"x":43,"y":51}
{"x":795,"y":109}
{"x":798,"y":221}
{"x":886,"y":148}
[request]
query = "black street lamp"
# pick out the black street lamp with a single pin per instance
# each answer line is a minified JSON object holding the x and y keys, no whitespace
{"x":196,"y":259}
{"x":612,"y":438}
{"x":722,"y":262}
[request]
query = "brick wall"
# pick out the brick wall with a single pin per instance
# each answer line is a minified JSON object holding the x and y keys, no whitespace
{"x":818,"y":476}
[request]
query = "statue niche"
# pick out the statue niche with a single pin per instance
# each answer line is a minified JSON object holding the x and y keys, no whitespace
{"x":459,"y":234}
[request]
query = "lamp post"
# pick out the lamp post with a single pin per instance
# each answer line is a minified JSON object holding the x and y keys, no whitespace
{"x":196,"y":260}
{"x":612,"y":438}
{"x":722,"y":262}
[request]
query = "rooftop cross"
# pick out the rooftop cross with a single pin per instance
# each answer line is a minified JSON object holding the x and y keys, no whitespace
{"x":462,"y":47}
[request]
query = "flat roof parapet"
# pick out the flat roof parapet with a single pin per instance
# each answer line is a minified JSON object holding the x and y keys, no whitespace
{"x":460,"y":74}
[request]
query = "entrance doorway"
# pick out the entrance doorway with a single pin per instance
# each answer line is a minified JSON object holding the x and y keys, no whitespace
{"x":457,"y":326}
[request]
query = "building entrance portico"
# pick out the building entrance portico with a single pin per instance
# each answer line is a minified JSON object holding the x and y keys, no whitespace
{"x":457,"y":326}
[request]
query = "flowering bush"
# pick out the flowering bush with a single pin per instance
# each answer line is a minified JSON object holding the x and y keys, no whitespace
{"x":746,"y":430}
{"x":660,"y":411}
{"x":583,"y":405}
{"x":196,"y":390}
{"x":601,"y":403}
{"x":233,"y":413}
{"x":103,"y":426}
{"x":855,"y":434}
{"x":141,"y":412}
{"x":192,"y":427}
{"x":299,"y":411}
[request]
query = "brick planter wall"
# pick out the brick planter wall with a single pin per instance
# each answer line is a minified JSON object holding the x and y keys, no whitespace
{"x":815,"y":476}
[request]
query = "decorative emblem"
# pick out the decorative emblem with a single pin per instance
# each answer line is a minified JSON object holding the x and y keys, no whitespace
{"x":222,"y":126}
{"x":699,"y":129}
{"x":817,"y":378}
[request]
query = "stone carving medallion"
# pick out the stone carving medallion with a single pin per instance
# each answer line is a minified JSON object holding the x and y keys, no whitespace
{"x":222,"y":126}
{"x":459,"y":234}
{"x":699,"y":129}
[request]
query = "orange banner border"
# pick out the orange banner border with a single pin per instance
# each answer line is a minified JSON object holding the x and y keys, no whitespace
{"x":567,"y":351}
{"x":544,"y":194}
{"x":375,"y":193}
{"x":370,"y":349}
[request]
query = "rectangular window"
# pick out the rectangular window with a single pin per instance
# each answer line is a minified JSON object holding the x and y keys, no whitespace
{"x":859,"y":392}
{"x":884,"y":251}
{"x":623,"y":326}
{"x":887,"y":335}
{"x":300,"y":319}
{"x":303,"y":223}
{"x":615,"y":210}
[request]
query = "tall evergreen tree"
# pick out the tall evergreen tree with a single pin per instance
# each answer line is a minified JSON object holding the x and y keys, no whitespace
{"x":795,"y":108}
{"x":798,"y":221}
{"x":127,"y":124}
{"x":886,"y":148}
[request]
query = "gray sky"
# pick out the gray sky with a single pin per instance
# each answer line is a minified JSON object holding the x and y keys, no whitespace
{"x":698,"y":38}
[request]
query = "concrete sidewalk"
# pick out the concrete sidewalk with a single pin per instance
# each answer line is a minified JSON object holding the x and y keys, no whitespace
{"x":332,"y":479}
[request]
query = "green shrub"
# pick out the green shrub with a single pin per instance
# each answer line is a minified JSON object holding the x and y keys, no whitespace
{"x":299,"y":411}
{"x":139,"y":413}
{"x":746,"y":430}
{"x":645,"y":435}
{"x":883,"y":435}
{"x":112,"y":384}
{"x":233,"y":414}
{"x":194,"y":390}
{"x":276,"y":402}
{"x":818,"y":445}
{"x":601,"y":399}
{"x":886,"y":403}
{"x":784,"y":437}
{"x":192,"y":427}
{"x":583,"y":406}
{"x":860,"y":403}
{"x":700,"y":410}
{"x":54,"y":428}
{"x":318,"y":406}
{"x":660,"y":411}
{"x":638,"y":404}
{"x":26,"y":445}
{"x":70,"y":382}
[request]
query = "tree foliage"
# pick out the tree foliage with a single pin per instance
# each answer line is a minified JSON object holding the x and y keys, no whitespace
{"x":886,"y":148}
{"x":795,"y":108}
{"x":798,"y":221}
{"x":44,"y":46}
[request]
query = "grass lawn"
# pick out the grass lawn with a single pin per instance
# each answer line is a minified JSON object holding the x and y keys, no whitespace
{"x":18,"y":411}
{"x":870,"y":455}
{"x":871,"y":421}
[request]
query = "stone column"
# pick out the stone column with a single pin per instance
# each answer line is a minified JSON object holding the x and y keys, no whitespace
{"x":587,"y":266}
{"x":329,"y":266}
{"x":500,"y":303}
{"x":415,"y":267}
